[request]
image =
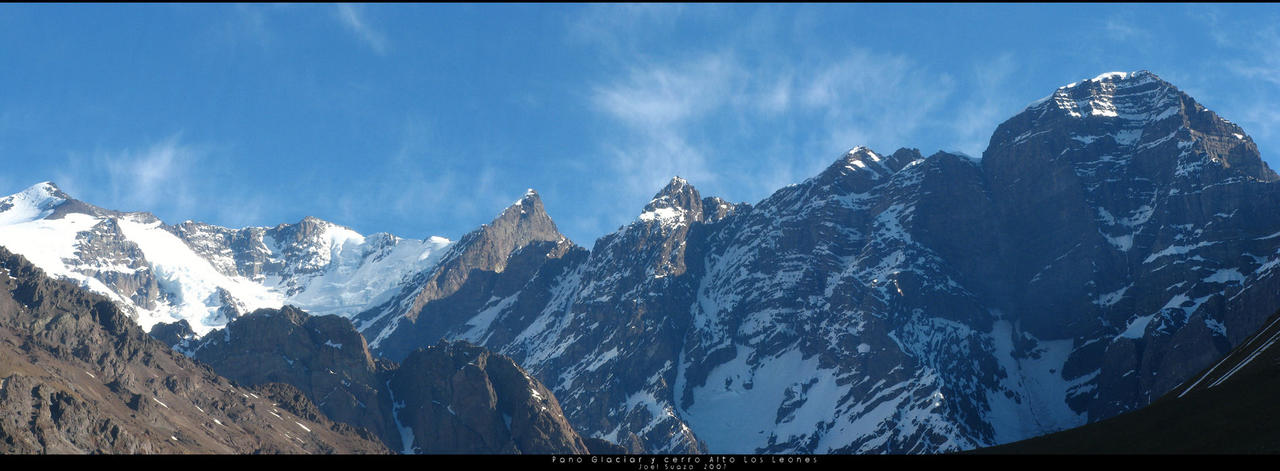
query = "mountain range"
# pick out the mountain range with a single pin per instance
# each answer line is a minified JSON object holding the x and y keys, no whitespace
{"x":1115,"y":239}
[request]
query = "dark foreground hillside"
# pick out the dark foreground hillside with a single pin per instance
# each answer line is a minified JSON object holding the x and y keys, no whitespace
{"x":78,"y":376}
{"x":1232,"y":407}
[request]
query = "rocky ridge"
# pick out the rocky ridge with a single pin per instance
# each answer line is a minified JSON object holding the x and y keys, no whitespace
{"x":78,"y":376}
{"x":446,"y":398}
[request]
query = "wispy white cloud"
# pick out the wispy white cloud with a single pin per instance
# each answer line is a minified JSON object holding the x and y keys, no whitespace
{"x":353,"y":18}
{"x":729,"y":125}
{"x":658,"y":105}
{"x":663,"y":95}
{"x":155,"y":177}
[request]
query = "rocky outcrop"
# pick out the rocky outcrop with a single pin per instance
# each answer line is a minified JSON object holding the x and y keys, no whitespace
{"x":174,"y":334}
{"x":482,"y":254}
{"x":322,"y":356}
{"x":459,"y":398}
{"x":449,"y":398}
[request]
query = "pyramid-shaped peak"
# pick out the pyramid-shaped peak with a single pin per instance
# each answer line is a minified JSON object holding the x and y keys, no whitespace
{"x":861,"y":152}
{"x":47,"y":185}
{"x":45,"y":189}
{"x":675,"y":185}
{"x":1116,"y":116}
{"x":678,"y":194}
{"x":35,"y":202}
{"x":528,"y":207}
{"x":676,"y":203}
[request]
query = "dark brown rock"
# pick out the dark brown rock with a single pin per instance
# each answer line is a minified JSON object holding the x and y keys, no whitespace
{"x":78,"y":376}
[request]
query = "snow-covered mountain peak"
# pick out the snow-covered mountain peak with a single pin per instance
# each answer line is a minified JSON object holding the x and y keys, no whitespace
{"x":48,"y":188}
{"x":36,"y":202}
{"x":864,"y":160}
{"x":1115,"y":77}
{"x":859,"y":159}
{"x":1130,"y":96}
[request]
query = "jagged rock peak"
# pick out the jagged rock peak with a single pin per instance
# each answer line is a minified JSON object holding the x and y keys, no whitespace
{"x":489,"y":247}
{"x":529,"y":195}
{"x":678,"y":194}
{"x":310,"y":224}
{"x":526,"y":219}
{"x":715,"y":208}
{"x":903,"y":157}
{"x":862,"y":167}
{"x":863,"y":158}
{"x":678,"y":201}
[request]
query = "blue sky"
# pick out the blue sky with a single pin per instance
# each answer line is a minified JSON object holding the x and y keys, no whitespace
{"x":427,"y":120}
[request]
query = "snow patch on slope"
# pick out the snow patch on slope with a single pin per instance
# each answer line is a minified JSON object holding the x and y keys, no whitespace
{"x":191,"y":279}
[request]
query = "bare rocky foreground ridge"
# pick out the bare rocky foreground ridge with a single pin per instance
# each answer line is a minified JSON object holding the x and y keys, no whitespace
{"x":447,"y":398}
{"x":78,"y":376}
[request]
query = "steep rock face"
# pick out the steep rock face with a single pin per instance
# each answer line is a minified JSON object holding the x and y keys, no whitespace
{"x":483,"y":292}
{"x":459,"y":398}
{"x":483,"y":252}
{"x":1133,"y":216}
{"x":824,"y":303}
{"x":322,"y":356}
{"x":451,"y":398}
{"x":77,"y":376}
